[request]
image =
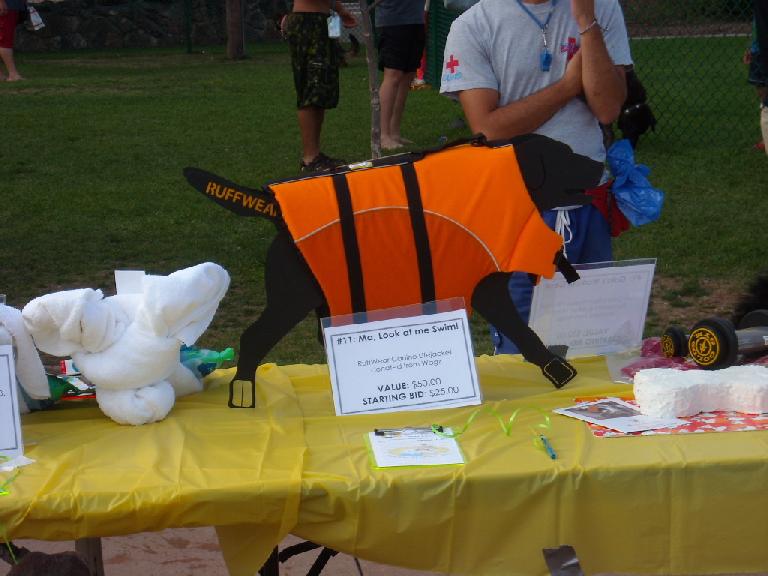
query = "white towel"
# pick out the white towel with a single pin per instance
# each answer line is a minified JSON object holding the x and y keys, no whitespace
{"x":172,"y":308}
{"x":137,"y":359}
{"x":141,"y":406}
{"x":70,"y":321}
{"x":183,"y":304}
{"x":29,"y":369}
{"x":128,"y":345}
{"x":184,"y":381}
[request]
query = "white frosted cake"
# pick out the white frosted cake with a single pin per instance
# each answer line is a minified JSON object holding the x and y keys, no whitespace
{"x":670,"y":393}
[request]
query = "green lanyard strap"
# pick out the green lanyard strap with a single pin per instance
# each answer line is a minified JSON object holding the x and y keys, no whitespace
{"x":539,"y":438}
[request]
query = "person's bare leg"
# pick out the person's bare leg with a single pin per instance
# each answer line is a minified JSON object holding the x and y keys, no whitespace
{"x":388,"y":91}
{"x":397,"y":112}
{"x":310,"y":125}
{"x":762,"y":96}
{"x":6,"y":55}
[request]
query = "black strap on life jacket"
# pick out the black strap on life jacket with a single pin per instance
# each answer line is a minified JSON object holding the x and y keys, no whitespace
{"x":351,"y":245}
{"x":420,"y":236}
{"x":566,"y":268}
{"x":563,"y":266}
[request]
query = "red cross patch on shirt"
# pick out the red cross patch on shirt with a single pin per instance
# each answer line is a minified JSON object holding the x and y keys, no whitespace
{"x":452,"y":64}
{"x":570,"y":47}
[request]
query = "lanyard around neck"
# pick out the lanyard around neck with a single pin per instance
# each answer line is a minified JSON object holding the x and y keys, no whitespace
{"x":542,"y":25}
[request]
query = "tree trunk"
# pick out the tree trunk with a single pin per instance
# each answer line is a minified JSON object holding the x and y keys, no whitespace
{"x":235,"y":45}
{"x":373,"y":76}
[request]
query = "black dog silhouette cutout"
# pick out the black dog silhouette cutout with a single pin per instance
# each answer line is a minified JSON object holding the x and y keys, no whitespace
{"x":408,"y":229}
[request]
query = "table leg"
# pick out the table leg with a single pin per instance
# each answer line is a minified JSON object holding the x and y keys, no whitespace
{"x":562,"y":561}
{"x":90,"y":550}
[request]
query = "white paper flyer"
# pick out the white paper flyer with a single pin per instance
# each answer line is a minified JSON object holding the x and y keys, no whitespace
{"x":617,"y":415}
{"x":413,"y":447}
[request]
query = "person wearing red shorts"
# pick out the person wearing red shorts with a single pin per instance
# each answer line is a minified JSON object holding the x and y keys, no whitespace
{"x":9,"y":18}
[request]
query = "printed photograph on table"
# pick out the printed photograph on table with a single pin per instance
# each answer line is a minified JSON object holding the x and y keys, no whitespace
{"x":700,"y":423}
{"x":604,"y":410}
{"x":616,"y":414}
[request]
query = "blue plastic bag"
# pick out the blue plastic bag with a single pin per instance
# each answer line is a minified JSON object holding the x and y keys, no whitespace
{"x":637,"y":199}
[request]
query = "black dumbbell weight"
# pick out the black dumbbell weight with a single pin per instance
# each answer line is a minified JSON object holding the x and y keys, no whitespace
{"x":674,"y":342}
{"x":716,"y":343}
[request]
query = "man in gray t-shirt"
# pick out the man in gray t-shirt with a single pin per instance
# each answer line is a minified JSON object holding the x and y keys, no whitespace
{"x":554,"y":67}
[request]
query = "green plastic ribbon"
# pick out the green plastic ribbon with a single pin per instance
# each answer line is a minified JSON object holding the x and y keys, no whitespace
{"x":4,"y":492}
{"x":4,"y":486}
{"x":539,"y":438}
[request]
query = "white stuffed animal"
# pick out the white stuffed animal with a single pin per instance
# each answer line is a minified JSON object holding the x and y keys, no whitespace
{"x":128,"y":345}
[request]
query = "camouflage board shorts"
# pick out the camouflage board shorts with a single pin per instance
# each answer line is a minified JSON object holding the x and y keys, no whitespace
{"x":314,"y":58}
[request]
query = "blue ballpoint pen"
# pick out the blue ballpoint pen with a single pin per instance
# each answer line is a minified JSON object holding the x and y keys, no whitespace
{"x":548,"y":447}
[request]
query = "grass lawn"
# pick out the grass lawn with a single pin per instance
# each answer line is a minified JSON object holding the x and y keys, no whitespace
{"x":93,"y":147}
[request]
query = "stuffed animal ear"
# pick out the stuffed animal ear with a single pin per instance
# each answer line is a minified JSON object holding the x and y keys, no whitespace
{"x":182,"y":304}
{"x":554,"y":175}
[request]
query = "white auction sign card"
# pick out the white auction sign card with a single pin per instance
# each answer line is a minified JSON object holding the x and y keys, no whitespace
{"x":414,"y":363}
{"x":413,"y":447}
{"x":601,"y":313}
{"x":10,"y":423}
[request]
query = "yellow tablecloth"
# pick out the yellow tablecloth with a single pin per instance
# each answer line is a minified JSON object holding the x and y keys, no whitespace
{"x":204,"y":465}
{"x":652,"y":504}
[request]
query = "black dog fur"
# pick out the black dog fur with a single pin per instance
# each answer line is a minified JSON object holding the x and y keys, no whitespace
{"x":755,"y":298}
{"x":554,"y":176}
{"x":636,"y":116}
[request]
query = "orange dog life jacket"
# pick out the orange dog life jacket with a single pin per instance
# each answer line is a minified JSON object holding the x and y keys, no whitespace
{"x":422,"y":230}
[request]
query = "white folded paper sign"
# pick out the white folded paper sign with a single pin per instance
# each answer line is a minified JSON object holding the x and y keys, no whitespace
{"x":129,"y":281}
{"x":409,"y":358}
{"x":11,"y":445}
{"x":601,"y":313}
